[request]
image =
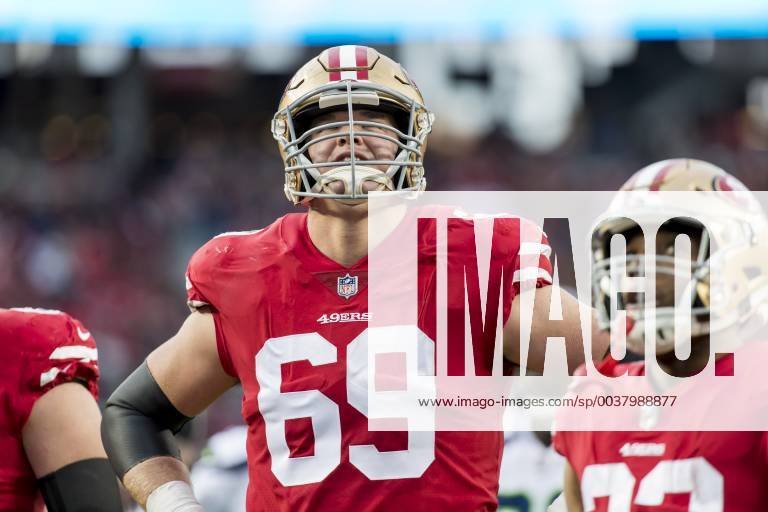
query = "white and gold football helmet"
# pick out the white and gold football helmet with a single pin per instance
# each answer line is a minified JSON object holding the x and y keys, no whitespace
{"x":350,"y":78}
{"x":728,"y":283}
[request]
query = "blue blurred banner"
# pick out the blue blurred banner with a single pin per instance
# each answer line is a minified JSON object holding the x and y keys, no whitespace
{"x":244,"y":22}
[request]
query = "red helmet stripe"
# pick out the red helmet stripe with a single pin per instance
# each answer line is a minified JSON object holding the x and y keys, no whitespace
{"x":361,"y":61}
{"x":659,"y":178}
{"x":722,"y":184}
{"x":334,"y":63}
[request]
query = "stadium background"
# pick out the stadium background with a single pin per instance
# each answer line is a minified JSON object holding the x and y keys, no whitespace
{"x":130,"y":137}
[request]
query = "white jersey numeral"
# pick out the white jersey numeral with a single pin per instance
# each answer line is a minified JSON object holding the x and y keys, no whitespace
{"x":277,"y":407}
{"x":695,"y":476}
{"x":614,"y":480}
{"x":376,"y":465}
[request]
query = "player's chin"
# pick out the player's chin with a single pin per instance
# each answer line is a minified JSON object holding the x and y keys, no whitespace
{"x":358,"y":205}
{"x":344,"y":207}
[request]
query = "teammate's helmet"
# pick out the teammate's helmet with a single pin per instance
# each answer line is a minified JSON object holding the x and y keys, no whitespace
{"x":349,"y":78}
{"x":732,"y":255}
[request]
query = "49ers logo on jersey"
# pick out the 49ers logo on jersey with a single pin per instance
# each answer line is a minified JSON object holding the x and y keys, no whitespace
{"x":642,"y":449}
{"x":344,"y":317}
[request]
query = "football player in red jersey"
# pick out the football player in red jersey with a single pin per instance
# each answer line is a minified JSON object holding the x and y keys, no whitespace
{"x":673,"y":471}
{"x":284,"y":312}
{"x":49,"y":419}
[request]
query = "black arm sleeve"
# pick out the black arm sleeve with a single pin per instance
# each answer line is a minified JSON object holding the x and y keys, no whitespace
{"x":84,"y":486}
{"x":139,"y":422}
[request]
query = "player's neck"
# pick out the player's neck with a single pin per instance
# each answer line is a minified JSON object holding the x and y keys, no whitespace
{"x":339,"y":232}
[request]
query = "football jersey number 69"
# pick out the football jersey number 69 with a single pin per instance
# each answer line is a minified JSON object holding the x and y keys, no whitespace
{"x":277,"y":408}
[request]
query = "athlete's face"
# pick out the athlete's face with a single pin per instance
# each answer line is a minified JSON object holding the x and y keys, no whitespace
{"x":667,"y":296}
{"x":665,"y":278}
{"x":367,"y":147}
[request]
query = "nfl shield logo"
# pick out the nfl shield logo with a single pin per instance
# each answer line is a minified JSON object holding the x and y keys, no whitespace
{"x":346,"y":286}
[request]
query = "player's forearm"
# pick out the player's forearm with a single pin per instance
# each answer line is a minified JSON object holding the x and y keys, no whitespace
{"x":570,"y":328}
{"x":572,"y":490}
{"x":137,"y":429}
{"x":139,"y":423}
{"x":83,"y":485}
{"x":145,"y":477}
{"x":601,"y":339}
{"x":542,"y":328}
{"x":143,"y":414}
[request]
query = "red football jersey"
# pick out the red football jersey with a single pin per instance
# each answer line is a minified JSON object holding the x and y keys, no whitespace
{"x":653,"y":471}
{"x":291,"y":325}
{"x":40,"y":349}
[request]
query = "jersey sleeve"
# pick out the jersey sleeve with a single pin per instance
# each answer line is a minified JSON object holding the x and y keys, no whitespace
{"x":205,"y":273}
{"x":559,"y":442}
{"x":531,"y":266}
{"x":58,"y":349}
{"x":195,"y":298}
{"x":575,"y":445}
{"x":202,"y":281}
{"x":194,"y":281}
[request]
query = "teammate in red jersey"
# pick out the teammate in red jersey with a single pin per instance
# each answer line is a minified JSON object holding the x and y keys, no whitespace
{"x":49,"y":420}
{"x":284,"y":311}
{"x":654,"y":470}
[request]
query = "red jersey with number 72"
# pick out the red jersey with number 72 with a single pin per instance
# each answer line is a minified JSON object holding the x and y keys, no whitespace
{"x":292,"y":326}
{"x":658,"y":471}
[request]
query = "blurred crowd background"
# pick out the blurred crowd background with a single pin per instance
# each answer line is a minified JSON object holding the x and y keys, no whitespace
{"x":116,"y":163}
